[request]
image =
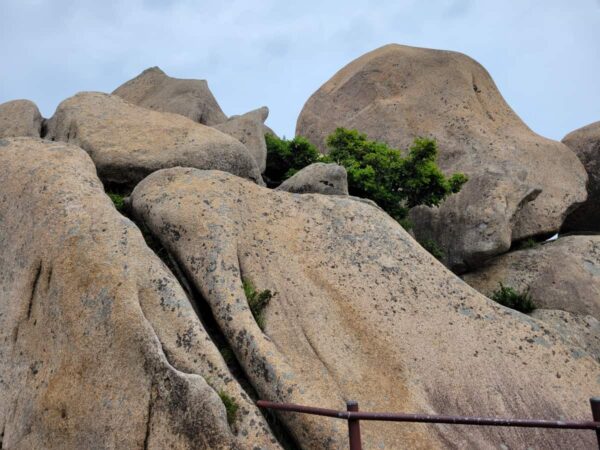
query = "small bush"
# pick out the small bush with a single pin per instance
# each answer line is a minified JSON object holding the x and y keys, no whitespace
{"x":527,"y":244}
{"x":117,"y":199}
{"x":395,"y":182}
{"x":507,"y":296}
{"x":433,"y":247}
{"x":231,"y":406}
{"x":257,"y":301}
{"x":286,"y":157}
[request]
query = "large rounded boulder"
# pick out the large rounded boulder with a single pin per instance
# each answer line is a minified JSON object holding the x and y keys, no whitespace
{"x":520,"y":184}
{"x":563,"y":274}
{"x":127,"y":142}
{"x":359,"y":311}
{"x":585,"y":142}
{"x":155,"y":90}
{"x":20,"y":118}
{"x":99,"y":345}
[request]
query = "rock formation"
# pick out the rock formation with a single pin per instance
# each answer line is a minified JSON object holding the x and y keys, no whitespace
{"x":319,"y":178}
{"x":582,"y":331}
{"x":249,"y":129}
{"x":99,"y":345}
{"x":361,"y":312}
{"x":563,"y":274}
{"x":521,"y":184}
{"x":128,"y":142}
{"x":585,"y":142}
{"x":154,"y":89}
{"x":20,"y":118}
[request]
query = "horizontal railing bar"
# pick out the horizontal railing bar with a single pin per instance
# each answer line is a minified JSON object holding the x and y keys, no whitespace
{"x":424,"y":418}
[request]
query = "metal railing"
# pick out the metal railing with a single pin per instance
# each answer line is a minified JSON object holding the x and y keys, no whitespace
{"x":353,"y":416}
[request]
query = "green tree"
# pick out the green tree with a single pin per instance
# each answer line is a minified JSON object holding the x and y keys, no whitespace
{"x":286,"y":157}
{"x":394,"y":182}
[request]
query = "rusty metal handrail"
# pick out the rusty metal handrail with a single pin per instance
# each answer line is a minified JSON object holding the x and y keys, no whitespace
{"x":354,"y":416}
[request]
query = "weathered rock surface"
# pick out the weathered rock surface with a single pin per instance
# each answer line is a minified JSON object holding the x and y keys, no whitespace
{"x":249,"y":129}
{"x":361,"y":312}
{"x":99,"y":345}
{"x":128,"y":142}
{"x":521,"y":184}
{"x":319,"y":178}
{"x":20,"y":118}
{"x":156,"y":90}
{"x":585,"y":142}
{"x":582,"y":331}
{"x":563,"y":274}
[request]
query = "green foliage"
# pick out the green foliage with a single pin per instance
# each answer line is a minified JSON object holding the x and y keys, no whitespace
{"x":433,"y":247}
{"x":257,"y":301}
{"x":286,"y":157}
{"x":507,"y":296}
{"x":382,"y":174}
{"x":527,"y":244}
{"x":117,"y":200}
{"x":231,"y":406}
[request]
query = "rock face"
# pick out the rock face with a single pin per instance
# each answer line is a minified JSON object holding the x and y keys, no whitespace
{"x":585,"y":142}
{"x":128,"y":142}
{"x":521,"y":184}
{"x":20,"y":118}
{"x":99,"y":345}
{"x":319,"y":178}
{"x":154,"y":89}
{"x":361,"y":312}
{"x":564,"y":274}
{"x":249,"y":129}
{"x":582,"y":331}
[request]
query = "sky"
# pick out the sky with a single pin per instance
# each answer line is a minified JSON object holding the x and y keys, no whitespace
{"x":543,"y":55}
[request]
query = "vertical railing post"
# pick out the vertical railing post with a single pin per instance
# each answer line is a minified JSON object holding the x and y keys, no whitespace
{"x":595,"y":402}
{"x":353,"y":427}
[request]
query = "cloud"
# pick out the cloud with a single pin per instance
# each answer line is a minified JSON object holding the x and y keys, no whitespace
{"x":544,"y":56}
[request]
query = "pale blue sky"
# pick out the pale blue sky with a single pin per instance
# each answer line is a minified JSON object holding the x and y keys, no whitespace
{"x":543,"y":55}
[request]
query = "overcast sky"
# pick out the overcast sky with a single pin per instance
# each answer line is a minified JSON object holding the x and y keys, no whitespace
{"x":543,"y":55}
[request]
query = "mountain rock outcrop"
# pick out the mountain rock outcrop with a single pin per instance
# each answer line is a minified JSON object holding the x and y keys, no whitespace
{"x":99,"y":345}
{"x":249,"y":129}
{"x":154,"y":89}
{"x":585,"y":142}
{"x":20,"y":118}
{"x":127,"y":142}
{"x":318,"y":178}
{"x":563,"y":274}
{"x":521,"y":184}
{"x":361,"y":312}
{"x":582,"y":331}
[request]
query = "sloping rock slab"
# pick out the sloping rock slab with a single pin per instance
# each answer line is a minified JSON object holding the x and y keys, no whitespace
{"x":563,"y":274}
{"x":249,"y":129}
{"x":99,"y":345}
{"x":318,"y":178}
{"x":20,"y":118}
{"x":585,"y":142}
{"x":582,"y":331}
{"x":128,"y":142}
{"x":361,"y":312}
{"x":155,"y":90}
{"x":521,"y":184}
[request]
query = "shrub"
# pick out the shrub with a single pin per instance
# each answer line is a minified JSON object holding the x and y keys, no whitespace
{"x":433,"y":247}
{"x":257,"y":300}
{"x":286,"y":157}
{"x":507,"y":296}
{"x":231,"y":406}
{"x":395,"y":182}
{"x":117,"y":200}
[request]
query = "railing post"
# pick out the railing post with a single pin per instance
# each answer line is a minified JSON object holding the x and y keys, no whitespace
{"x":595,"y":402}
{"x":353,"y":427}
